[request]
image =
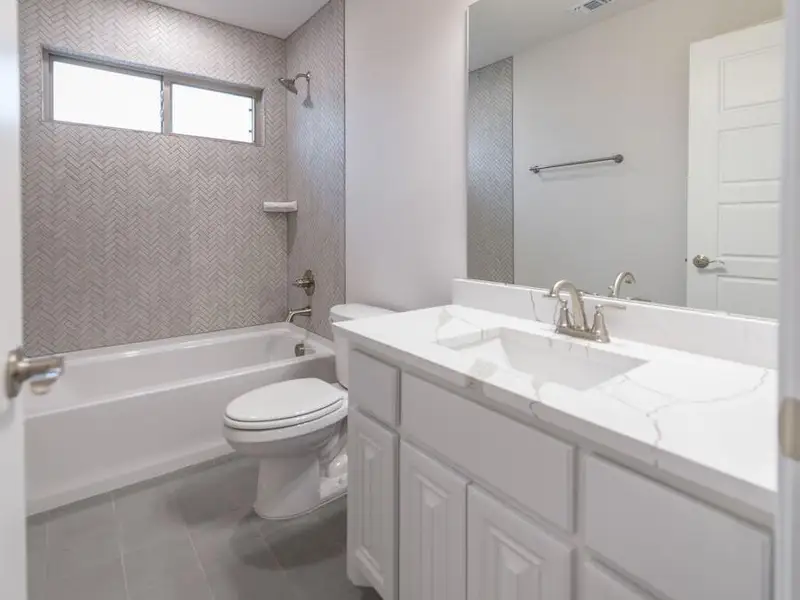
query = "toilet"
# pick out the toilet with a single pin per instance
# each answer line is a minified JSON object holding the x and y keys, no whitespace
{"x":298,"y":431}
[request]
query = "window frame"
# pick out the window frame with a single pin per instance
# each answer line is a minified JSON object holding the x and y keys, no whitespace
{"x":167,"y":78}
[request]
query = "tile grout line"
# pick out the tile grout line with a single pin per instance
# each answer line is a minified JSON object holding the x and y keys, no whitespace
{"x":296,"y":592}
{"x":118,"y":530}
{"x":199,"y":562}
{"x":46,"y":558}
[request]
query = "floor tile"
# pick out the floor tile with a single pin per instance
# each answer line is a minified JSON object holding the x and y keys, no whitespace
{"x":167,"y":566}
{"x":332,"y":519}
{"x":315,"y":565}
{"x":81,"y":549}
{"x":191,"y":537}
{"x":238,"y":562}
{"x":103,"y":580}
{"x":212,"y":494}
{"x":195,"y":588}
{"x":65,"y":524}
{"x":149,"y":516}
{"x":37,"y":555}
{"x":232,"y":540}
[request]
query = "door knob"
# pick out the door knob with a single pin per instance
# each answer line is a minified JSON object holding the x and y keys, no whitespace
{"x":41,"y":372}
{"x":701,"y":261}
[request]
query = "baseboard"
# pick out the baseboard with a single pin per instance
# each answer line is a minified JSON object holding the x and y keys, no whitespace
{"x":117,"y":480}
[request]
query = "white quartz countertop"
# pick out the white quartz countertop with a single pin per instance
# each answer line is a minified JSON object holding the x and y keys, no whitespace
{"x":706,"y":421}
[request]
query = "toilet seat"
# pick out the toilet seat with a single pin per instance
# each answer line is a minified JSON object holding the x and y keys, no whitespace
{"x":284,"y":404}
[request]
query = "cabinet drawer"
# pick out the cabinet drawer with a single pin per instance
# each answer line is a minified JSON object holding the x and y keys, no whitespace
{"x":374,"y":387}
{"x":599,"y":584}
{"x":674,"y":544}
{"x":534,"y":469}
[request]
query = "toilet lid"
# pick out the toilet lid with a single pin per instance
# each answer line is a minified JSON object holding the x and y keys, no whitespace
{"x":284,"y":404}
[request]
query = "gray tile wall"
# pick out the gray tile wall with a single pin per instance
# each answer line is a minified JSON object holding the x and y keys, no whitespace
{"x":131,"y":236}
{"x":316,"y":161}
{"x":490,"y":175}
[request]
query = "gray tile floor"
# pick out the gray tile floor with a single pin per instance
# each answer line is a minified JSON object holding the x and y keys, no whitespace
{"x":189,"y":537}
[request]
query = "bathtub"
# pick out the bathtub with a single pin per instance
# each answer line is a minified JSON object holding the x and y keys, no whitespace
{"x":130,"y":413}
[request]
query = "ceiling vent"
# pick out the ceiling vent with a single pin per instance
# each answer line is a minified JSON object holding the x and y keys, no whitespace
{"x":591,"y":6}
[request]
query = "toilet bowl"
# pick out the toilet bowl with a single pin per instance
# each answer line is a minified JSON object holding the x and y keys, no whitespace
{"x":297,"y":429}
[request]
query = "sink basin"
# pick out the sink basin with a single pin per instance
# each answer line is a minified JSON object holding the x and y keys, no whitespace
{"x":546,"y":360}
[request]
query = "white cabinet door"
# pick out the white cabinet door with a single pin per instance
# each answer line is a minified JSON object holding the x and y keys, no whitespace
{"x":736,"y":111}
{"x":372,"y":505}
{"x":510,"y":557}
{"x":433,"y":524}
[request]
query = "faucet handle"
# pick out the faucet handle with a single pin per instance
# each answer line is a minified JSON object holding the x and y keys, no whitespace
{"x":599,"y":328}
{"x":306,"y":282}
{"x":563,"y":319}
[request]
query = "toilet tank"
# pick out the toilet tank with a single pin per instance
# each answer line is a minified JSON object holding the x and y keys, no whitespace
{"x":350,"y":312}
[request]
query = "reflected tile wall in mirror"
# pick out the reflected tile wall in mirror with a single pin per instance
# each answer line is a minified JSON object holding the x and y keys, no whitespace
{"x":689,"y":91}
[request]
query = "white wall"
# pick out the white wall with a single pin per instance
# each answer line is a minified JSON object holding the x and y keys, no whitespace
{"x":406,"y":150}
{"x":619,"y":86}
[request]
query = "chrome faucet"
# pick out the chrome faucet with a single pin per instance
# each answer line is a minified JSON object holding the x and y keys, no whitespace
{"x":623,"y":277}
{"x":300,"y":312}
{"x":574,"y":323}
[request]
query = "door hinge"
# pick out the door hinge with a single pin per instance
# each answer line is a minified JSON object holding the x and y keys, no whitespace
{"x":789,"y":428}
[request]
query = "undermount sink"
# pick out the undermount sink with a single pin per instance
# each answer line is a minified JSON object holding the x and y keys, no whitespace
{"x":545,"y":359}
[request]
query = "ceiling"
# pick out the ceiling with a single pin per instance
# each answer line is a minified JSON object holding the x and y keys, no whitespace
{"x":275,"y":17}
{"x":501,"y":28}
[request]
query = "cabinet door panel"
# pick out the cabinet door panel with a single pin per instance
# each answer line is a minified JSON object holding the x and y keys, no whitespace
{"x":510,"y":557}
{"x":600,"y":584}
{"x":372,"y":505}
{"x":433,"y":522}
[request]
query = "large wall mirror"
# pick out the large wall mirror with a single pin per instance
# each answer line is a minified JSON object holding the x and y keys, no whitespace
{"x":630,"y":146}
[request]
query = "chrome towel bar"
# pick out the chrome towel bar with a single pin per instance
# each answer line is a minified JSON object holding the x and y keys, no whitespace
{"x":617,"y":158}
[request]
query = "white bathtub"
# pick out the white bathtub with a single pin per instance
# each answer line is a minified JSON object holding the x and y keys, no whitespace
{"x":129,"y":413}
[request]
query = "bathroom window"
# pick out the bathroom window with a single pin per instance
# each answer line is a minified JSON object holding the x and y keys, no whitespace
{"x":98,"y":96}
{"x":233,"y":114}
{"x":108,"y":95}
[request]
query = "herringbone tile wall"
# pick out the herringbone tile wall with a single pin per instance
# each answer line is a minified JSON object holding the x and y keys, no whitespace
{"x":490,"y":175}
{"x":133,"y":236}
{"x":316,"y":161}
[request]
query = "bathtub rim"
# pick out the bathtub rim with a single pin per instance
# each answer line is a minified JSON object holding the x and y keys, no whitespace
{"x":94,"y":359}
{"x":187,"y":342}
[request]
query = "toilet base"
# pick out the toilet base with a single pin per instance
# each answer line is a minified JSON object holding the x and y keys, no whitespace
{"x":292,"y":488}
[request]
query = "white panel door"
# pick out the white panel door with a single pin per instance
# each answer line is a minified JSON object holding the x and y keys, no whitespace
{"x":433,"y":529}
{"x":372,"y":505}
{"x":510,"y":557}
{"x":736,"y":104}
{"x":787,"y":527}
{"x":12,"y":483}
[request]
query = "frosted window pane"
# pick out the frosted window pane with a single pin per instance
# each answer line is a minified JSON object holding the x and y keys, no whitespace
{"x":84,"y":94}
{"x":207,"y":113}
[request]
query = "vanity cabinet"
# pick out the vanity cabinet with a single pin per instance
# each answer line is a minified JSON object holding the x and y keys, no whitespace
{"x":433,"y":530}
{"x":451,"y":500}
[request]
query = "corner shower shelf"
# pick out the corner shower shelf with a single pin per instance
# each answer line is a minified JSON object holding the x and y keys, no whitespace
{"x":280,"y":207}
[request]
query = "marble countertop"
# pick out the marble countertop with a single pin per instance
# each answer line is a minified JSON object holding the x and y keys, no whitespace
{"x":707,"y":421}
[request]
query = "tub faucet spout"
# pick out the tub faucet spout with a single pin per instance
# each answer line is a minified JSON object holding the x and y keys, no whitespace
{"x":300,"y":312}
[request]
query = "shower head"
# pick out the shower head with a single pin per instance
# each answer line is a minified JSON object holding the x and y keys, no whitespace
{"x":290,"y":84}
